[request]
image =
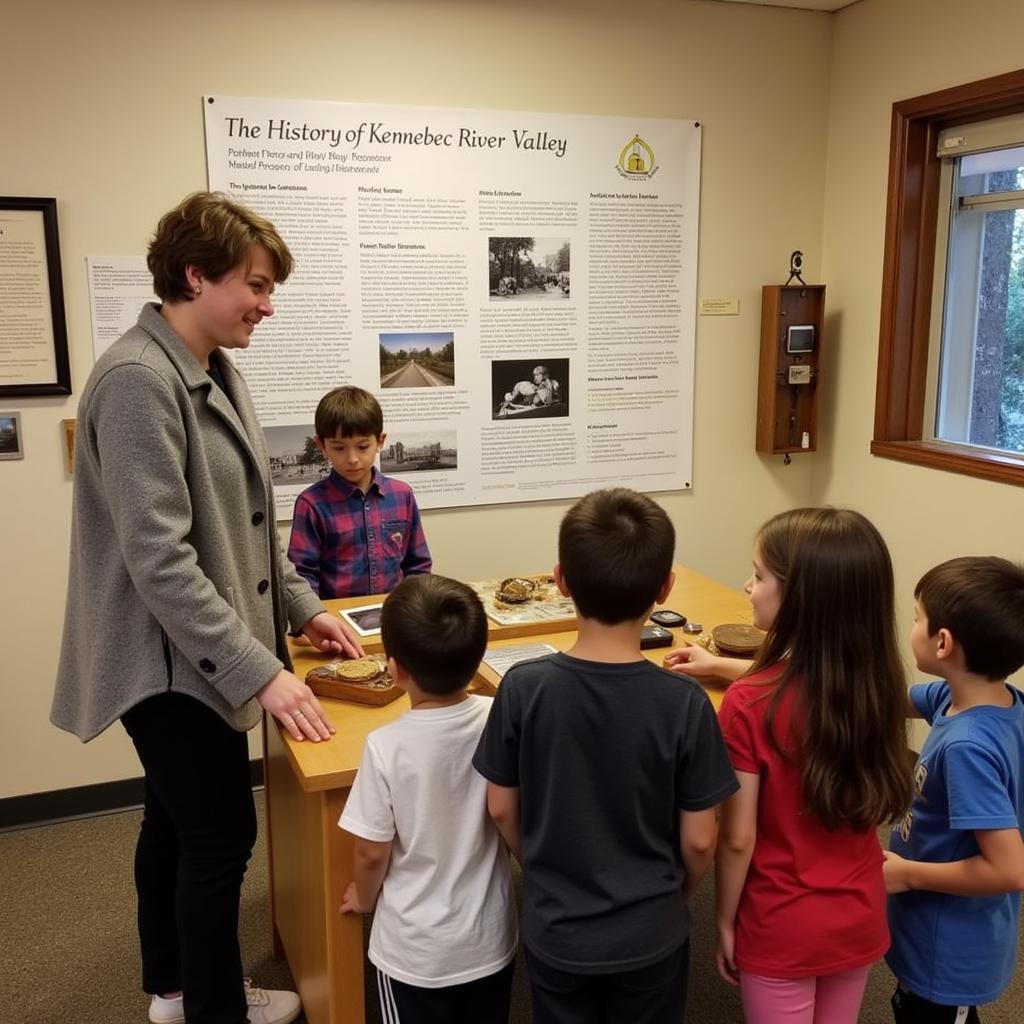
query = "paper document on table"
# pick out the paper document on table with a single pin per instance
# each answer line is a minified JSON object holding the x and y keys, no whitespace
{"x":501,"y":659}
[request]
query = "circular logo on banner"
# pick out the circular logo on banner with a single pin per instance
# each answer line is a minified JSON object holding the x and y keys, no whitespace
{"x":637,"y":159}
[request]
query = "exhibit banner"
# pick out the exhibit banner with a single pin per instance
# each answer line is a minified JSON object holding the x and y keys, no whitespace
{"x":517,"y":289}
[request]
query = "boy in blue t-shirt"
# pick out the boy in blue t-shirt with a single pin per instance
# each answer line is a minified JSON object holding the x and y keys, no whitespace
{"x":956,"y":868}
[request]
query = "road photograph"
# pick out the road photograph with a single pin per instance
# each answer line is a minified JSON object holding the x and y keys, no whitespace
{"x":421,"y":359}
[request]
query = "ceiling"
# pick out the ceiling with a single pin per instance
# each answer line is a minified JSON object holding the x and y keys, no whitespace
{"x":807,"y":5}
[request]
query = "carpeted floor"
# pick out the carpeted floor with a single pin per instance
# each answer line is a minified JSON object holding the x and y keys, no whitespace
{"x":67,"y":917}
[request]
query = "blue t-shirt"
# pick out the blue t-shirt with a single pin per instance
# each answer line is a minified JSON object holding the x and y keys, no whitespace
{"x":959,"y":950}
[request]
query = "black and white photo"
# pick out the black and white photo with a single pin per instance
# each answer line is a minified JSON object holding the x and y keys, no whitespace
{"x":294,"y":456}
{"x":418,"y":451}
{"x":529,"y":388}
{"x":528,"y":269}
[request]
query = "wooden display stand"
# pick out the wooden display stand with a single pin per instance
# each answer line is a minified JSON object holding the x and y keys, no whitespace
{"x":787,"y":390}
{"x":307,"y":785}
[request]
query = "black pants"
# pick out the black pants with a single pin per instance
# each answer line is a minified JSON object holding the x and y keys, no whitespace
{"x":908,"y":1008}
{"x":484,"y":1001}
{"x":650,"y":995}
{"x":198,"y":830}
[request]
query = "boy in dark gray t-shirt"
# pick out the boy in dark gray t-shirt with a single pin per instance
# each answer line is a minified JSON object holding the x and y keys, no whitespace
{"x":604,"y":772}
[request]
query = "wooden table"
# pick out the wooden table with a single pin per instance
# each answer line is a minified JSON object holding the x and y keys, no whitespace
{"x":307,"y":785}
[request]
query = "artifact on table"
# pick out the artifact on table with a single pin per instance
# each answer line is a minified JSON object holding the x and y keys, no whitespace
{"x":363,"y":680}
{"x":737,"y":639}
{"x":516,"y":590}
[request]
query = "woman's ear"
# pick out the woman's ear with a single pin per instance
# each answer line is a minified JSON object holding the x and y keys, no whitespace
{"x":194,"y":278}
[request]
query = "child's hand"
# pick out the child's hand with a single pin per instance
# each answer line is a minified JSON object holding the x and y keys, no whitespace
{"x":895,"y":872}
{"x":692,"y":660}
{"x":350,"y":902}
{"x":724,"y":954}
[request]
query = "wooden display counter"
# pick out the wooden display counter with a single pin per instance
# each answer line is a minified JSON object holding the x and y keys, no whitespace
{"x":307,"y":785}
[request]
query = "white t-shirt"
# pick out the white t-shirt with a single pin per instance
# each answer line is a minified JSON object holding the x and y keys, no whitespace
{"x":445,"y":914}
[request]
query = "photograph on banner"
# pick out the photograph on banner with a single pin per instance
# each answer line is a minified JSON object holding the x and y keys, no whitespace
{"x":419,"y":451}
{"x":424,"y":359}
{"x":528,"y":268}
{"x":294,"y":456}
{"x":530,"y":389}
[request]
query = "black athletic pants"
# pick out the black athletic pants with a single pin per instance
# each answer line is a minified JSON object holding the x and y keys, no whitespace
{"x":198,"y":830}
{"x":650,"y":995}
{"x":484,"y":1001}
{"x":908,"y":1008}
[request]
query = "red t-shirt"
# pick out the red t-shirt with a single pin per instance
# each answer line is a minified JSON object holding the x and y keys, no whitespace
{"x":814,"y":900}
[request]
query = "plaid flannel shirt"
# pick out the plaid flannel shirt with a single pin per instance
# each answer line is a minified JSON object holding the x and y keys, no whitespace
{"x":347,"y":544}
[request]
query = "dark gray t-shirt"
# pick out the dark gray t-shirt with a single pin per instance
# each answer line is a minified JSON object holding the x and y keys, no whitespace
{"x":605,"y":756}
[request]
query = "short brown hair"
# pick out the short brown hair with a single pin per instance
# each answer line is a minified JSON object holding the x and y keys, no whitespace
{"x":436,"y":629}
{"x":209,"y":231}
{"x":348,"y":412}
{"x":615,"y":550}
{"x":980,"y":600}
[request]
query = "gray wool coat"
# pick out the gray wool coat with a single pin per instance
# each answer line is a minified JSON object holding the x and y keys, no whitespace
{"x":177,"y":579}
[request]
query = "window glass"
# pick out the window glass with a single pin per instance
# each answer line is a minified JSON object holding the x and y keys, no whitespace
{"x":980,"y":398}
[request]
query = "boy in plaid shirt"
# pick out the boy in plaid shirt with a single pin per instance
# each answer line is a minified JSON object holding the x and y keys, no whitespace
{"x":356,"y":531}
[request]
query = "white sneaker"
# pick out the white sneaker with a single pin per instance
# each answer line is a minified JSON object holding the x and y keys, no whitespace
{"x":265,"y":1006}
{"x":271,"y":1006}
{"x":166,"y":1011}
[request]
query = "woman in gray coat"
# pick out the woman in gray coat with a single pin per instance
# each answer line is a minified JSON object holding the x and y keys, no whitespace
{"x":180,"y":599}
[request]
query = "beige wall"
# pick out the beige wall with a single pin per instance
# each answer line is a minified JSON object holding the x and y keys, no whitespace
{"x":100,"y":106}
{"x":885,"y":51}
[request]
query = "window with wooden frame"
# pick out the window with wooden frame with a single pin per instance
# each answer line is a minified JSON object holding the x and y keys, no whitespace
{"x":953,"y":243}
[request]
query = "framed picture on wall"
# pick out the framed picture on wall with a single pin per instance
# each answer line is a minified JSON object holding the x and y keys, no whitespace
{"x":10,"y":436}
{"x":33,"y":332}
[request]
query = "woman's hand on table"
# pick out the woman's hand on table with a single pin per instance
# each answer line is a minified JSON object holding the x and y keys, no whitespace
{"x":327,"y":633}
{"x":295,"y":706}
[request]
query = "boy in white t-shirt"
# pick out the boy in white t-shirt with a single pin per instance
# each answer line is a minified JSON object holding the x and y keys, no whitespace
{"x":427,"y":854}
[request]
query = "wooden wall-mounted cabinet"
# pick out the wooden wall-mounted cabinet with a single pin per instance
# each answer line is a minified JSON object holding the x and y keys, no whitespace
{"x":787,"y":388}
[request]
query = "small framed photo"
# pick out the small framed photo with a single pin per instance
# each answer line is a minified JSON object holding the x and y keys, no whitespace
{"x":365,"y":619}
{"x":11,"y":446}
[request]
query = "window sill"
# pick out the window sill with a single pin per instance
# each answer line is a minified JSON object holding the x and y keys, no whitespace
{"x":1003,"y":467}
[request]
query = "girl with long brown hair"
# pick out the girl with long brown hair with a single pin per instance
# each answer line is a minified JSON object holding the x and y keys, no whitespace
{"x":816,"y":731}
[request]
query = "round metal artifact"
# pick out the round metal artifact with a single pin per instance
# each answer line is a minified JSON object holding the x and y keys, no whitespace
{"x":737,"y":638}
{"x":359,"y":670}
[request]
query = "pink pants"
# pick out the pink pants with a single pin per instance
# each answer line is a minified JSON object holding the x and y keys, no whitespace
{"x":828,"y":999}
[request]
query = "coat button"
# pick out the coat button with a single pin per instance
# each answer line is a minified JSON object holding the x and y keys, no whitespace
{"x":261,"y":587}
{"x":207,"y":666}
{"x":257,"y":518}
